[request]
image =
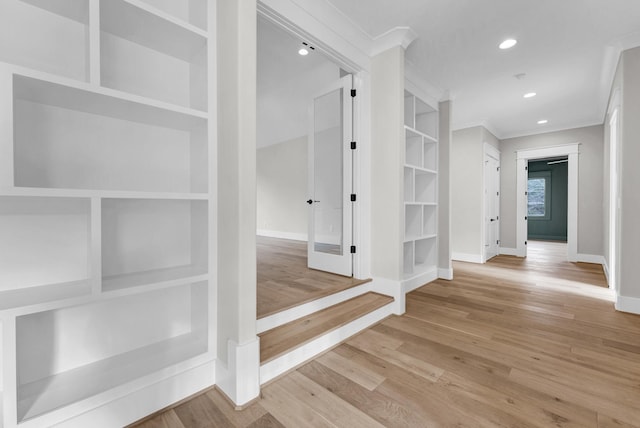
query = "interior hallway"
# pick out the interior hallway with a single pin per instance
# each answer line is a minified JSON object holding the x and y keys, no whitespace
{"x":508,"y":343}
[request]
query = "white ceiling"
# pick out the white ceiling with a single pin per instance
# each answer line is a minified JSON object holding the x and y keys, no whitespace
{"x":567,"y":48}
{"x":287,"y":82}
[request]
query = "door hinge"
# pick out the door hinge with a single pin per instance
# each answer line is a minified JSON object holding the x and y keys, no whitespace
{"x":497,"y":193}
{"x":353,"y":197}
{"x":353,"y":249}
{"x":526,"y":218}
{"x":497,"y":217}
{"x":497,"y":168}
{"x":525,"y":242}
{"x":353,"y":93}
{"x":353,"y":145}
{"x":526,"y":193}
{"x":526,"y":168}
{"x":497,"y":242}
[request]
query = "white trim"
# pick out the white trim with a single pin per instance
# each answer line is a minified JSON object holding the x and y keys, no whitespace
{"x":292,"y":359}
{"x":283,"y":317}
{"x":446,"y":273}
{"x":325,"y":27}
{"x":240,"y":378}
{"x":590,"y":258}
{"x":417,"y":281}
{"x":398,"y":36}
{"x":149,"y":399}
{"x":508,"y":251}
{"x":393,"y":289}
{"x":605,"y":267}
{"x":469,"y":258}
{"x":282,"y":235}
{"x":522,"y":157}
{"x":628,"y":304}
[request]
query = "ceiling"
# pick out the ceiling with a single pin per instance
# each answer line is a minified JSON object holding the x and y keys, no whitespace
{"x":287,"y":82}
{"x":567,"y":50}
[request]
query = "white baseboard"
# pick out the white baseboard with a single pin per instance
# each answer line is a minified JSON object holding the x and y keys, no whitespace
{"x":239,"y":379}
{"x":605,"y":266}
{"x":140,"y":403}
{"x":590,"y":258}
{"x":282,"y":235}
{"x":628,"y":304}
{"x":445,"y":273}
{"x":463,"y":257}
{"x":408,"y":285}
{"x":280,"y":365}
{"x":508,"y":251}
{"x":283,"y":317}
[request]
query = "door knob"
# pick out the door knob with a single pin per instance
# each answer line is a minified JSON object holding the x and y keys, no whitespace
{"x":310,"y":201}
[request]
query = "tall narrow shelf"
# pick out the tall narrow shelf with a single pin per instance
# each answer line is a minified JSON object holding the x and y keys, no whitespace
{"x":105,"y":209}
{"x":420,"y":188}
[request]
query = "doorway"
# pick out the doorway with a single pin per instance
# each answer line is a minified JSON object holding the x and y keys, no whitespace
{"x":304,"y":115}
{"x":491,"y":240}
{"x":523,"y":157}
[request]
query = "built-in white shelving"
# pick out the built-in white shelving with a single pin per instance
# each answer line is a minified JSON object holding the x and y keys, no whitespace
{"x":420,"y":187}
{"x":105,"y":206}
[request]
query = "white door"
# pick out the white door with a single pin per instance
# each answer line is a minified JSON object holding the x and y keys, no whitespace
{"x":491,"y":205}
{"x":330,"y":179}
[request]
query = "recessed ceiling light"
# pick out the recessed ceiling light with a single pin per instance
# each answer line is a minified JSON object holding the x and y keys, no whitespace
{"x":303,"y":51}
{"x":509,"y":43}
{"x":529,"y":95}
{"x":542,"y":122}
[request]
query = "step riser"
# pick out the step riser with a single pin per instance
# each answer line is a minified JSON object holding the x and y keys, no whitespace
{"x":297,"y":356}
{"x":281,"y":318}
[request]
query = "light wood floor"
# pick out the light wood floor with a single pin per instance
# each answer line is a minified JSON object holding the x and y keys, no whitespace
{"x":506,"y":344}
{"x":284,"y":281}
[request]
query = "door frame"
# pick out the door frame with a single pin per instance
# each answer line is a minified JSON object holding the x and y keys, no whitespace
{"x":572,"y":152}
{"x":489,"y":150}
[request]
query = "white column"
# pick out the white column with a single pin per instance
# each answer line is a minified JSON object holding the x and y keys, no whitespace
{"x":237,"y":344}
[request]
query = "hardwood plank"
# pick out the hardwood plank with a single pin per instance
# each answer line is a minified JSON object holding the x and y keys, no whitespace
{"x":244,"y":418}
{"x":355,"y":372}
{"x":266,"y":421}
{"x":168,"y":419}
{"x":330,"y":406}
{"x":200,"y":412}
{"x":282,"y":339}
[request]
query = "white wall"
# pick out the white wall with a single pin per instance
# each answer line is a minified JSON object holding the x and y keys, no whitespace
{"x":282,"y":189}
{"x":467,"y":172}
{"x":466,"y":191}
{"x":590,"y":187}
{"x":628,"y":83}
{"x":387,"y":152}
